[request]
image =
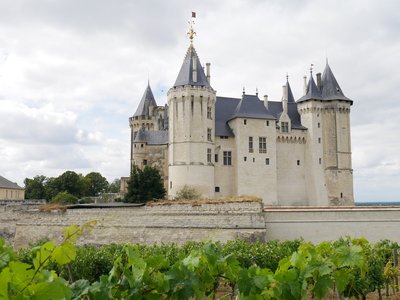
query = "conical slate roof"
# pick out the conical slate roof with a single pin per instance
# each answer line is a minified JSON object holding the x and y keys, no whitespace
{"x":185,"y":76}
{"x":290,"y":94}
{"x":251,"y":107}
{"x":313,"y":93}
{"x":145,"y":103}
{"x":330,"y":87}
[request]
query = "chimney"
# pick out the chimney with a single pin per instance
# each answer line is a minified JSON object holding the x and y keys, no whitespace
{"x":305,"y":85}
{"x":266,"y":101}
{"x":319,"y":82}
{"x":194,"y":69}
{"x":284,"y":98}
{"x":208,"y":72}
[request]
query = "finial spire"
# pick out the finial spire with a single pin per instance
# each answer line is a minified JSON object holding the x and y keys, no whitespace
{"x":244,"y":90}
{"x":311,"y":68}
{"x":287,"y":76}
{"x":191,"y":33}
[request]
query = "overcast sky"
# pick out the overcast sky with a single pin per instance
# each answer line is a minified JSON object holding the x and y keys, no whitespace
{"x":73,"y":71}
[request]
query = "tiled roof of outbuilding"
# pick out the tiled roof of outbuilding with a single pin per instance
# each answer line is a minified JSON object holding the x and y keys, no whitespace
{"x":7,"y":184}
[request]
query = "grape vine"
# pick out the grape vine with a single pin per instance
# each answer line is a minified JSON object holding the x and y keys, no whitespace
{"x":235,"y":270}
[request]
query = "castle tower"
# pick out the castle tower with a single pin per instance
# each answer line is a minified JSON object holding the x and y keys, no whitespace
{"x":325,"y":111}
{"x":191,"y":103}
{"x":310,"y":108}
{"x":142,"y":120}
{"x":336,"y":141}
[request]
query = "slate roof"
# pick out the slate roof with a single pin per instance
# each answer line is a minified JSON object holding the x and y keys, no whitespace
{"x":224,"y":109}
{"x":250,"y":106}
{"x":330,"y":87}
{"x":152,"y":137}
{"x":7,"y":184}
{"x":312,"y":91}
{"x":145,"y":102}
{"x":185,"y":76}
{"x":290,"y":94}
{"x":229,"y":108}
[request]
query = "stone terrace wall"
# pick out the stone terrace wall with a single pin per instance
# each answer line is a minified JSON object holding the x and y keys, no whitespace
{"x":21,"y":225}
{"x":167,"y":223}
{"x":317,"y":224}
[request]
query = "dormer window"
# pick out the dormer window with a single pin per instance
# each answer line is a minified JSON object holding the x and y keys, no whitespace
{"x":285,"y":126}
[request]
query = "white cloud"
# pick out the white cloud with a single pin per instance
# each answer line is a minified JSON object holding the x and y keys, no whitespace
{"x":72,"y":72}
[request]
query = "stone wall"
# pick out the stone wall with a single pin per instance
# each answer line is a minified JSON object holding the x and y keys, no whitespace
{"x":317,"y":224}
{"x":21,"y":225}
{"x":164,"y":224}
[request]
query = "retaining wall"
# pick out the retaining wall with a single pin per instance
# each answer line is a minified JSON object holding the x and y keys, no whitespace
{"x":21,"y":225}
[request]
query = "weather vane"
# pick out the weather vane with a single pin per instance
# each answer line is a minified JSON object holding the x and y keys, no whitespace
{"x":191,"y":33}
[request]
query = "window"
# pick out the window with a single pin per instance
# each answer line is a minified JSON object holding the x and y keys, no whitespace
{"x":227,"y":158}
{"x":209,"y":112}
{"x":170,"y":184}
{"x":245,"y":158}
{"x":267,"y":161}
{"x":320,"y":160}
{"x":285,"y":126}
{"x":209,"y":134}
{"x":144,"y":162}
{"x":209,"y":155}
{"x":254,"y":160}
{"x":319,"y":125}
{"x":262,"y":144}
{"x":141,"y":145}
{"x":216,"y":158}
{"x":251,"y":150}
{"x":223,"y":137}
{"x":341,"y":195}
{"x":244,"y":121}
{"x":217,"y":189}
{"x":298,"y":162}
{"x":267,"y":123}
{"x":319,"y":140}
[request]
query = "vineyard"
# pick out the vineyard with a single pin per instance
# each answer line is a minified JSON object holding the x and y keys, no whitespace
{"x":346,"y":268}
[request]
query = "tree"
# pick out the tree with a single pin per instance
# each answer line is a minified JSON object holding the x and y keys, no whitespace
{"x":95,"y":184}
{"x":70,"y":182}
{"x":144,"y":185}
{"x":64,"y":198}
{"x":34,"y":188}
{"x":114,"y":187}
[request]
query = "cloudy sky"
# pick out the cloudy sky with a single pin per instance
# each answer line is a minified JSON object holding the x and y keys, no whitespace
{"x":73,"y":71}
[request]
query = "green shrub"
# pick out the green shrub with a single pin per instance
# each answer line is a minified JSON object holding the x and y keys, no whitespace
{"x":187,"y":193}
{"x":64,"y":198}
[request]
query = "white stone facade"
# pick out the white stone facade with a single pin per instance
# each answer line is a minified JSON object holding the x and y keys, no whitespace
{"x":286,"y":152}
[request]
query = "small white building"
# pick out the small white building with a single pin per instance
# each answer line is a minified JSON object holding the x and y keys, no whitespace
{"x":286,"y":152}
{"x":10,"y":190}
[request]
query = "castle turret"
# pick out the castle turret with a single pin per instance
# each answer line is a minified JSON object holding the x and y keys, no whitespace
{"x":310,"y":107}
{"x":191,"y":124}
{"x":325,"y":111}
{"x":336,"y":141}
